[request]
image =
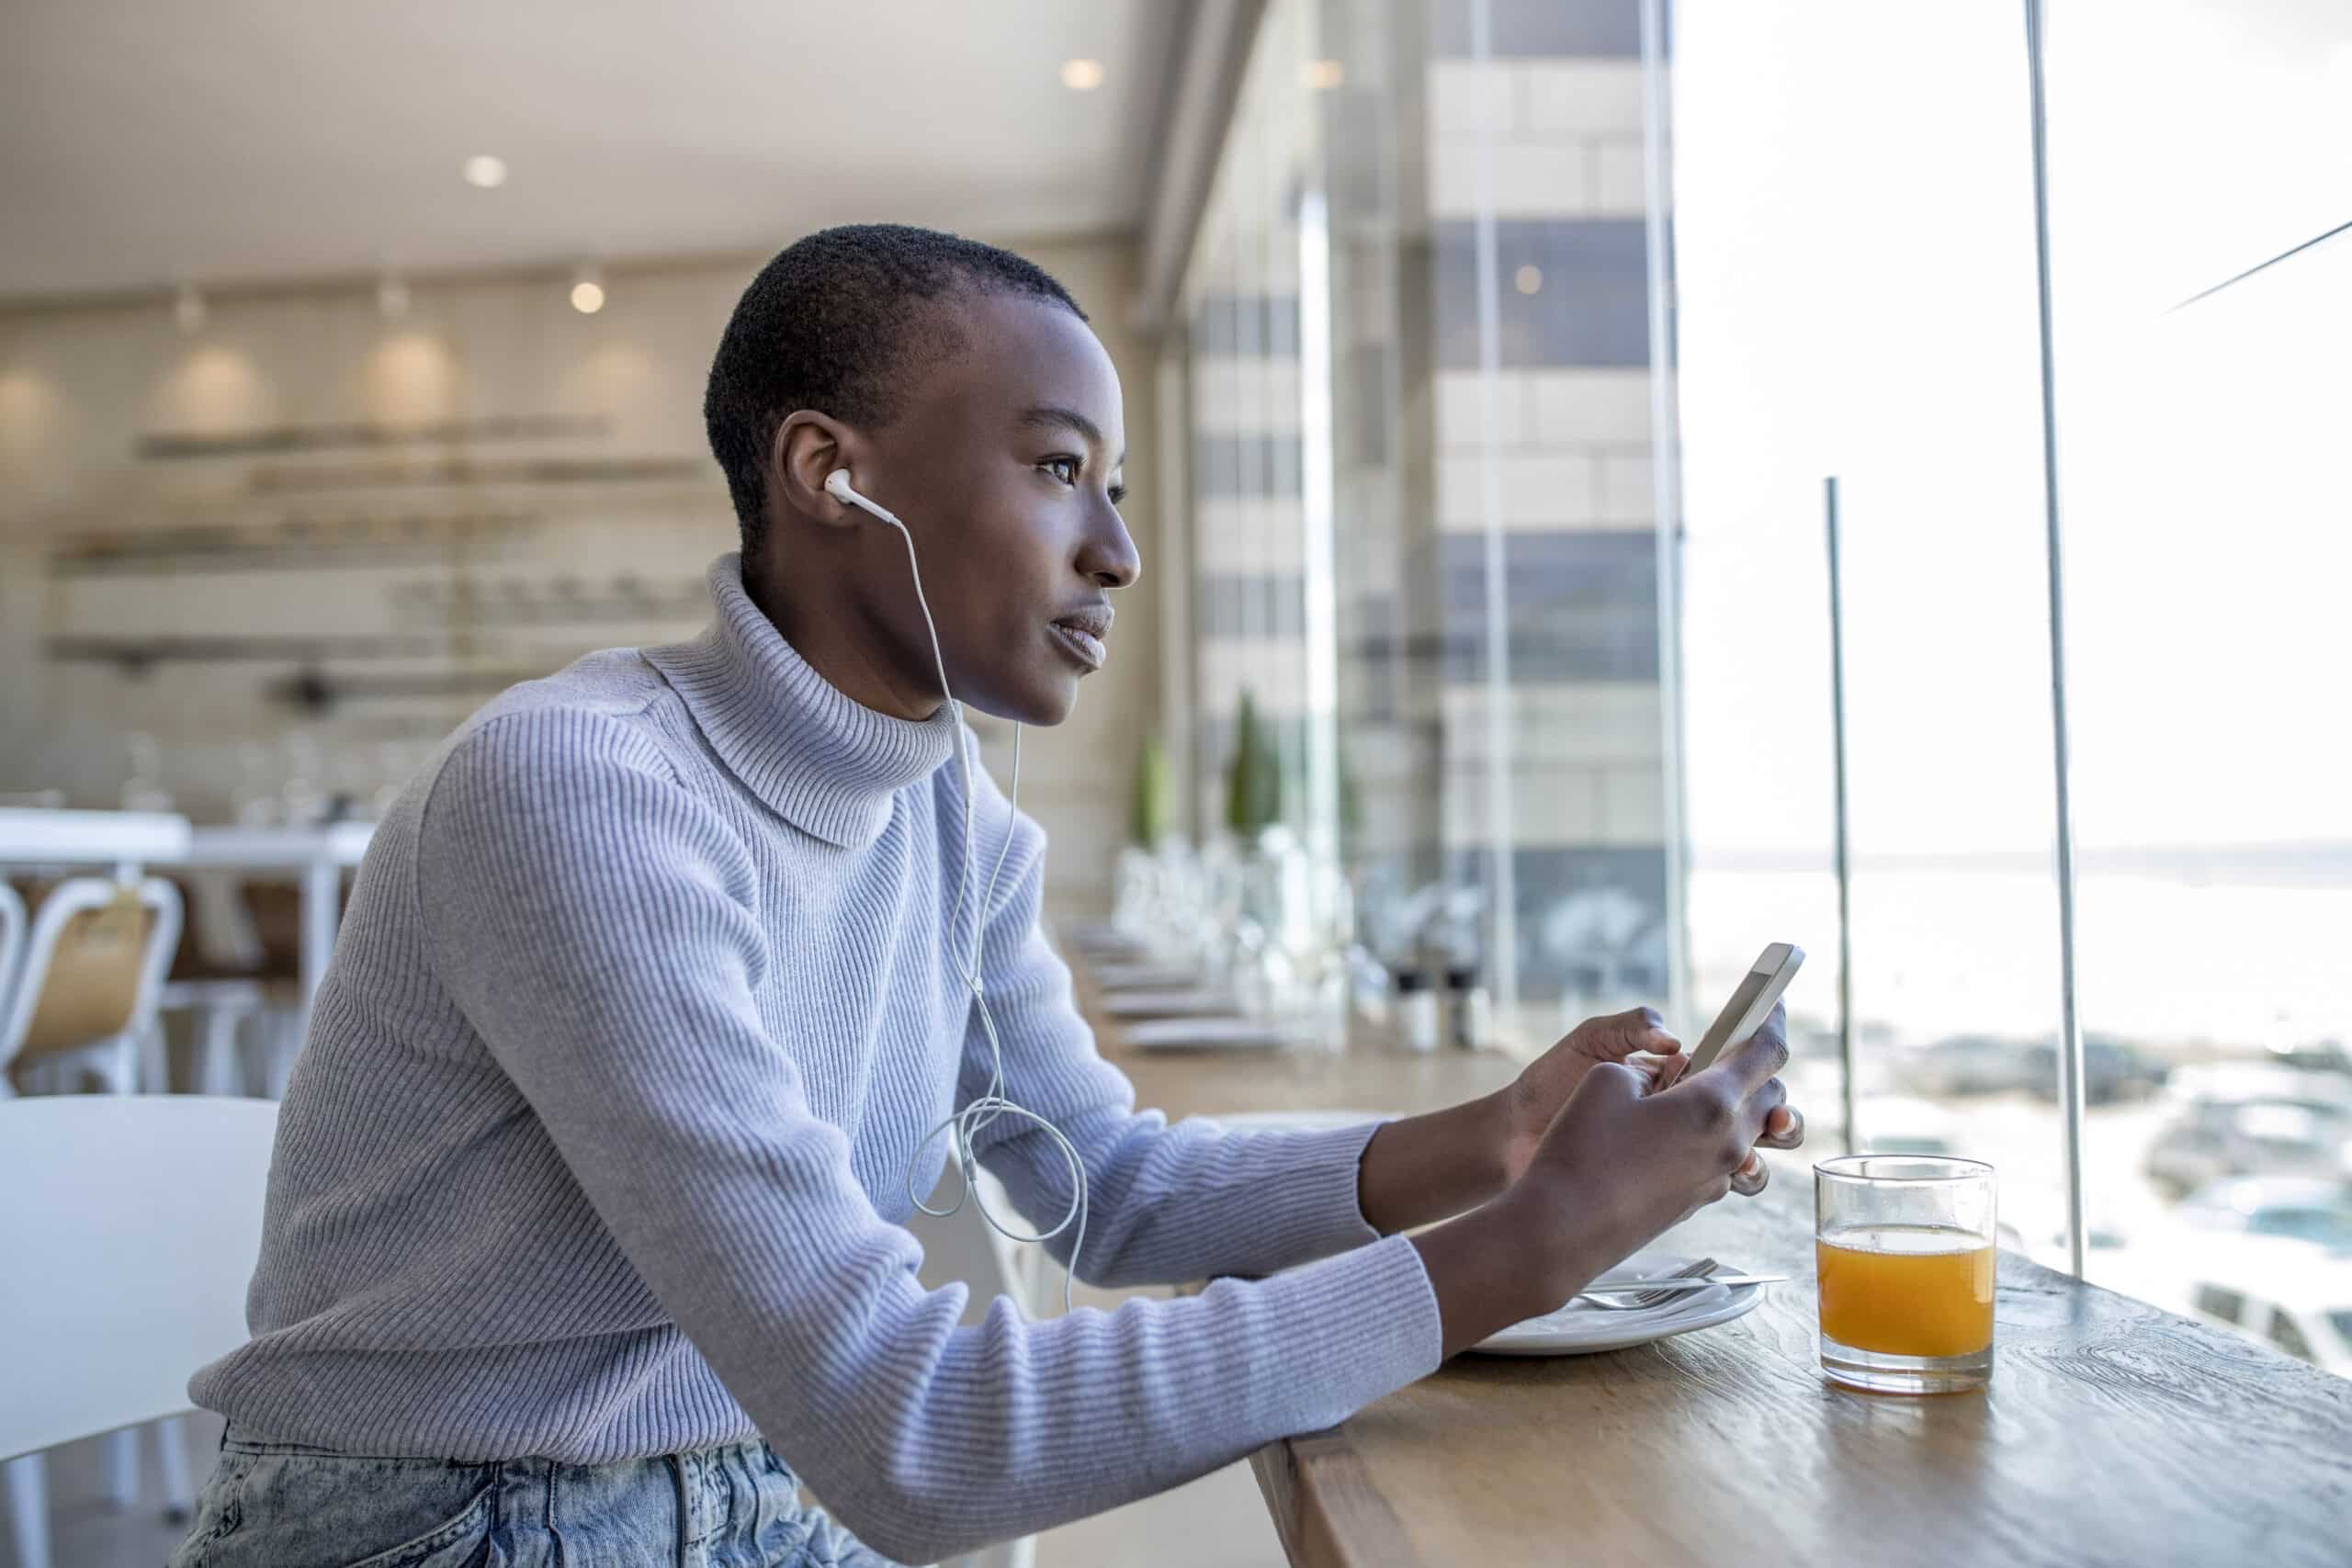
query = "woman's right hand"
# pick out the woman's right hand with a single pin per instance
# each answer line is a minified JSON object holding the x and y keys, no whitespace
{"x":1618,"y":1166}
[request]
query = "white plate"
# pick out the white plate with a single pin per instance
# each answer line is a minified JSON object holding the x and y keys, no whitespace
{"x":1582,"y":1330}
{"x":1210,"y":1033}
{"x":1103,"y":940}
{"x":1125,"y":976}
{"x":1165,"y":1004}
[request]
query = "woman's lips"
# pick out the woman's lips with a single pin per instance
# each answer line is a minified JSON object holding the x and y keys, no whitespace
{"x":1080,"y":643}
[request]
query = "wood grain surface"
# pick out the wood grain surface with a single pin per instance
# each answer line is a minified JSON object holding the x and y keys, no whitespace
{"x":1219,"y":1078}
{"x":2112,"y":1433}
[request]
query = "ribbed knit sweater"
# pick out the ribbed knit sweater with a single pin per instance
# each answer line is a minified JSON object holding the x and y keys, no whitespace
{"x":598,"y":1146}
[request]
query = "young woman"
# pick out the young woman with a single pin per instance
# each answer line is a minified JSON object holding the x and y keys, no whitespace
{"x":583,"y":1237}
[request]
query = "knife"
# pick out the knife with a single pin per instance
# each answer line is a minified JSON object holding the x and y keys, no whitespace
{"x":1636,"y":1286}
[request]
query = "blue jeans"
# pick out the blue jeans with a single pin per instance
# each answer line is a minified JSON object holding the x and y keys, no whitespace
{"x":284,"y":1506}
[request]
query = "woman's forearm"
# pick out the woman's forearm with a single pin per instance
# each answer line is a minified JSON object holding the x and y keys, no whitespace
{"x":1424,"y":1168}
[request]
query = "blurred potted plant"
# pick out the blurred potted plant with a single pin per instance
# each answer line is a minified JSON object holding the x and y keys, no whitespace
{"x":1253,"y":779}
{"x":1151,"y":865}
{"x":1152,"y":820}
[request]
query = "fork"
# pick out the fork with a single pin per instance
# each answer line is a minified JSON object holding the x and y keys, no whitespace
{"x":1606,"y":1298}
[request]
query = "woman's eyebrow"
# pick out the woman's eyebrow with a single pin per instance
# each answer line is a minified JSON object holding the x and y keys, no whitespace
{"x":1049,"y":414}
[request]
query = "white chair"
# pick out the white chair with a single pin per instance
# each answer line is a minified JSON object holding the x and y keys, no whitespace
{"x":220,"y":979}
{"x":222,"y":1008}
{"x":86,"y":993}
{"x":144,"y":1211}
{"x":12,"y":942}
{"x":85,"y":1005}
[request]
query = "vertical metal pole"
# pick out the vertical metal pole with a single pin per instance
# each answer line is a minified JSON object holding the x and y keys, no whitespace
{"x":1847,"y":1095}
{"x":1319,"y":502}
{"x":1502,"y":860}
{"x":1666,"y":503}
{"x":2070,"y":1041}
{"x":1173,"y":567}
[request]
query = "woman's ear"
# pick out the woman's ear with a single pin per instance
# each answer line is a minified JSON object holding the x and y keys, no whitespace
{"x":809,"y":445}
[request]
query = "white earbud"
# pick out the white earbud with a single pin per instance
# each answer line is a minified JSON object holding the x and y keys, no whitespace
{"x":967,"y":1124}
{"x":837,"y":485}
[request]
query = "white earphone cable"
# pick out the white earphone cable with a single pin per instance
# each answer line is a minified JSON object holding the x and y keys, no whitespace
{"x":967,"y":1125}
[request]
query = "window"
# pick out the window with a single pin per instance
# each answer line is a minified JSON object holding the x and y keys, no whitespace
{"x":2215,"y":1302}
{"x":1521,"y":346}
{"x":2324,"y":1227}
{"x":2288,"y":1336}
{"x":1866,"y":306}
{"x":1425,"y":532}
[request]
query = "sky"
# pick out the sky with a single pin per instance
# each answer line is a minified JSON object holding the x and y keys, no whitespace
{"x":1855,"y":250}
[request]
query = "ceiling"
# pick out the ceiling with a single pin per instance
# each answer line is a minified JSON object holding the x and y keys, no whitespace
{"x":248,"y":140}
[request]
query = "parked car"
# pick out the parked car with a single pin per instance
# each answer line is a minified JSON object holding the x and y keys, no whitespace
{"x":1970,"y":1064}
{"x":2262,"y":1079}
{"x":2252,"y":1122}
{"x":2317,"y":1210}
{"x":2300,"y":1306}
{"x":2316,"y":1056}
{"x":2113,"y":1070}
{"x":1899,"y":1124}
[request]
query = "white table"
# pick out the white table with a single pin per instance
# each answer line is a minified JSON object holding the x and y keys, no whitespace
{"x":318,"y":856}
{"x":92,"y":837}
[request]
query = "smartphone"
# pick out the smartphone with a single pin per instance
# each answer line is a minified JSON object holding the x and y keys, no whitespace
{"x":1751,"y":1003}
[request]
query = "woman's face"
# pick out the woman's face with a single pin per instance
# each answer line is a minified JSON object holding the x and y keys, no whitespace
{"x":1004,"y":465}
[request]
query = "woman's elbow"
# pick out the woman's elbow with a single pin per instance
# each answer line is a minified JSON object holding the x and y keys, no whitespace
{"x":911,"y":1519}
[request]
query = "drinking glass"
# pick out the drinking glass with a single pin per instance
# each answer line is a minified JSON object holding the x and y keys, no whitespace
{"x":1905,"y":1248}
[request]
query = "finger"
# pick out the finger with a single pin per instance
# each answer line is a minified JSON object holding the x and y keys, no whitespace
{"x":1756,"y":1112}
{"x":1752,"y":1177}
{"x":1614,"y":1081}
{"x":1641,"y":1028}
{"x":1784,"y":1129}
{"x":1671,"y":1070}
{"x":1760,"y":1056}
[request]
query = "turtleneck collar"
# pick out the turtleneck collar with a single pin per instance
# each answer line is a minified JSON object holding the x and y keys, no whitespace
{"x":823,"y":762}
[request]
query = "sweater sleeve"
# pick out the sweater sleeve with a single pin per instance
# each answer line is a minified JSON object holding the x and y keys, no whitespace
{"x":592,"y":920}
{"x":1165,"y":1203}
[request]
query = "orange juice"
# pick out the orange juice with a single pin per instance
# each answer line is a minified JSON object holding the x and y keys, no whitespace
{"x":1906,"y":1290}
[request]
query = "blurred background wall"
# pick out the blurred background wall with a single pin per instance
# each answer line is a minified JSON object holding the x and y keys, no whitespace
{"x":307,"y":445}
{"x":305,"y":540}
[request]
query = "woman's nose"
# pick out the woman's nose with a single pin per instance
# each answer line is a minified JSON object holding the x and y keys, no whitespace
{"x":1108,"y":554}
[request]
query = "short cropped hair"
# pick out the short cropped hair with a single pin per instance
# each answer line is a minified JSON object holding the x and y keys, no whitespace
{"x":838,"y":322}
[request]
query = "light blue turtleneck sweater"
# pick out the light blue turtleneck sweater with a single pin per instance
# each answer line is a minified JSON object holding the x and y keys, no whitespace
{"x":598,"y":1147}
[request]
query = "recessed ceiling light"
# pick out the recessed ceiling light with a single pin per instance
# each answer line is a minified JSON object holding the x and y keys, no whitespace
{"x":587,"y":296}
{"x":1081,"y":75}
{"x":1322,"y":75}
{"x":189,"y":309}
{"x":484,"y":171}
{"x":1528,"y":279}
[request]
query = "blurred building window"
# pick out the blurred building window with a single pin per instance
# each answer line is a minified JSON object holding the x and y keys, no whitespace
{"x":1519,"y":338}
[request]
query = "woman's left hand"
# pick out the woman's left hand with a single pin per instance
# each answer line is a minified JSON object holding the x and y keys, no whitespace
{"x":1639,"y":1039}
{"x":1426,"y":1168}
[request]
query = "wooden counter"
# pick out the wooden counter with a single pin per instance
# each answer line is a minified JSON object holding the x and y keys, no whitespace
{"x":1204,"y":1082}
{"x":2112,"y":1433}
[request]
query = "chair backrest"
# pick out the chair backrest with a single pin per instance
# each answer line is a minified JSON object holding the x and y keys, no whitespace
{"x":216,"y":938}
{"x":93,"y":966}
{"x":11,"y":942}
{"x":128,"y":1235}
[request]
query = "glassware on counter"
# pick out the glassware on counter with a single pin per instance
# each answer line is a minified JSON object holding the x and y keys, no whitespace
{"x":1906,"y":1246}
